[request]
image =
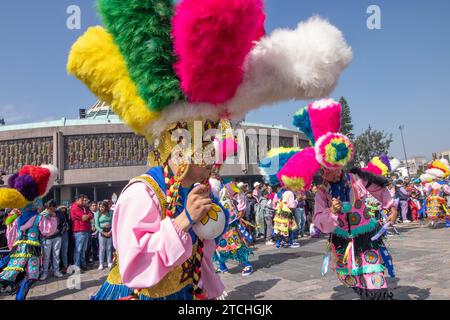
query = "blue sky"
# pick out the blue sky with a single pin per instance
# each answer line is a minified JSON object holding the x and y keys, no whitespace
{"x":400,"y":74}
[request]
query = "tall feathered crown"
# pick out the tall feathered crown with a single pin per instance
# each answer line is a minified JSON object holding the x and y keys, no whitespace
{"x":321,"y":122}
{"x":157,"y":64}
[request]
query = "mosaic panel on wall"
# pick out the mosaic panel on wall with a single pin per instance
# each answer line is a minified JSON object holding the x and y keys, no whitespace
{"x":16,"y":153}
{"x":104,"y":150}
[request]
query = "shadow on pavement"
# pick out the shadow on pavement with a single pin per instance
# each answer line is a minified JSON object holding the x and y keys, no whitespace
{"x":67,"y":292}
{"x":250,"y":291}
{"x":407,"y":292}
{"x":265,"y":261}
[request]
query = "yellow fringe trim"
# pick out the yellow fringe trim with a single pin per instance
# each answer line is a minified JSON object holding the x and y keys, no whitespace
{"x":22,"y":255}
{"x":14,"y":269}
{"x":27,"y":242}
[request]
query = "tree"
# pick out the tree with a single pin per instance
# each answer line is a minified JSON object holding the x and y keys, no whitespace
{"x":371,"y":143}
{"x":346,"y":119}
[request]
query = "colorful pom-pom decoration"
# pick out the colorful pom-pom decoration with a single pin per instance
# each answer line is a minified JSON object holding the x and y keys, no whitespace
{"x":334,"y":150}
{"x":298,"y":173}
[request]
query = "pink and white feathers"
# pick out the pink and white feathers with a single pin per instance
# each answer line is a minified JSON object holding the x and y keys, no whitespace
{"x":300,"y":64}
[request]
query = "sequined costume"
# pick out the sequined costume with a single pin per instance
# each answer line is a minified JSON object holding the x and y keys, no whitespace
{"x":234,"y":243}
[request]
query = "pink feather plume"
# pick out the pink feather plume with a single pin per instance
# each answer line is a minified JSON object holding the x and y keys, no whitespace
{"x":302,"y":165}
{"x":325,"y":117}
{"x":212,"y":38}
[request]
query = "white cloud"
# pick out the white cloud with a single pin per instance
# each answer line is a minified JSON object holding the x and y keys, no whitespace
{"x":26,"y":113}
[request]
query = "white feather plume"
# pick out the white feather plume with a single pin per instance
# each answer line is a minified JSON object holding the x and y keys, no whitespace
{"x":53,"y":176}
{"x":426,"y":177}
{"x":395,"y":164}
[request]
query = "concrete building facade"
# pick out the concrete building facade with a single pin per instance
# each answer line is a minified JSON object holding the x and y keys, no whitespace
{"x":97,"y":154}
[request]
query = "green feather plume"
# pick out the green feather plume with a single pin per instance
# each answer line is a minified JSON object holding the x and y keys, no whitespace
{"x":142,"y":31}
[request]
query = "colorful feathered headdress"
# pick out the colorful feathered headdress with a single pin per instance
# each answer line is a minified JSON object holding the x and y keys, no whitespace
{"x":157,"y":64}
{"x":437,"y":169}
{"x":382,"y":165}
{"x":27,"y":185}
{"x":321,"y":122}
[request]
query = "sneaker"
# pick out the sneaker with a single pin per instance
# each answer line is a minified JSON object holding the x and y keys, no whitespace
{"x":406,"y":221}
{"x":100,"y":267}
{"x":294,"y":245}
{"x":58,"y":274}
{"x":44,"y":277}
{"x":110,"y":266}
{"x":64,"y":270}
{"x":222,"y":270}
{"x":247,"y":271}
{"x":270,"y":243}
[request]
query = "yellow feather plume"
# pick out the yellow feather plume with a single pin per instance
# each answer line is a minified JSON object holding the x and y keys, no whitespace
{"x":11,"y":199}
{"x":97,"y":61}
{"x":277,"y":151}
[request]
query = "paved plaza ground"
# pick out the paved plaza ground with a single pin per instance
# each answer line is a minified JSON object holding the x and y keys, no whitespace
{"x":421,"y":257}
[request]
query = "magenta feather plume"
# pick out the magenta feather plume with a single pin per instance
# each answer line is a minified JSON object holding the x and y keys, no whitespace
{"x":298,"y":173}
{"x":212,"y":38}
{"x":325,"y":117}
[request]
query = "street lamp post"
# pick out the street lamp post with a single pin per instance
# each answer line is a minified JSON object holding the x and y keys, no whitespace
{"x":401,"y":128}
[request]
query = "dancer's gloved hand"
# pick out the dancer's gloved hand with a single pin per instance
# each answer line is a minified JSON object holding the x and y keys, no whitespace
{"x":198,"y":204}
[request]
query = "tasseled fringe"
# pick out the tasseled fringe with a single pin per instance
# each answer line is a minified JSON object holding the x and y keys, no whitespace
{"x":117,"y":291}
{"x":376,"y":294}
{"x":362,"y":242}
{"x":223,"y":296}
{"x":369,"y":227}
{"x":112,"y":292}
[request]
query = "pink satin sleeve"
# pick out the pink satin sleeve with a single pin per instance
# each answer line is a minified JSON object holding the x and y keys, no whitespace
{"x":323,"y":218}
{"x":148,"y":246}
